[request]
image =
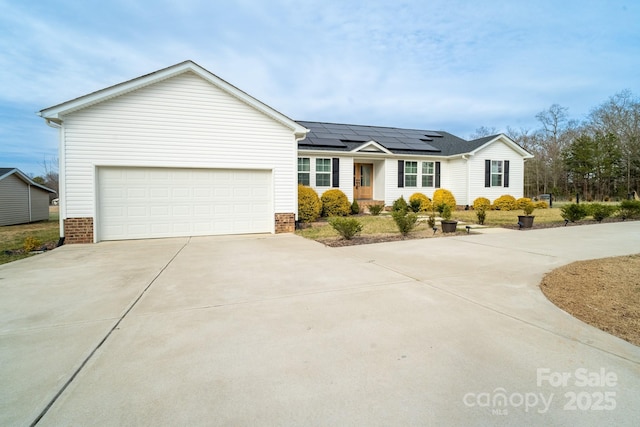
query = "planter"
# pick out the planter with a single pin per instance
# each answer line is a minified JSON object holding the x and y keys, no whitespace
{"x":449,"y":226}
{"x":525,"y":221}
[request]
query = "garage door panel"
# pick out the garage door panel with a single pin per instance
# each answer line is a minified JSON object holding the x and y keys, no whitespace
{"x":153,"y":202}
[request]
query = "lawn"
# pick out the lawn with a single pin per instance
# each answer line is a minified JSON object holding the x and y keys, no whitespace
{"x":13,"y":237}
{"x":383,"y":224}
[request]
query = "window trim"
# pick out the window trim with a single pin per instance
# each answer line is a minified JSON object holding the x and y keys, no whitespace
{"x":500,"y":174}
{"x":413,"y":175}
{"x":305,"y":172}
{"x":328,"y":161}
{"x":424,"y":174}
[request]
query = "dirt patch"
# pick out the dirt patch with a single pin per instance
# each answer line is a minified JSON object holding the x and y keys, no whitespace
{"x":604,"y":293}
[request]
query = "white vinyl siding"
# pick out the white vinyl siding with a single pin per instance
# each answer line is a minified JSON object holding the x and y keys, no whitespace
{"x":184,"y":122}
{"x":496,"y":151}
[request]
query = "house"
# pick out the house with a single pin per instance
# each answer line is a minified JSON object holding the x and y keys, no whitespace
{"x":181,"y":152}
{"x":382,"y":163}
{"x":21,"y":199}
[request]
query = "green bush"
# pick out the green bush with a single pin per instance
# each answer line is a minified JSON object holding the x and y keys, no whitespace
{"x":376,"y":209}
{"x":400,"y":205}
{"x":335,"y":203}
{"x":481,"y":214}
{"x":423,"y":203}
{"x":505,"y":202}
{"x":309,"y":206}
{"x":445,"y":211}
{"x":406,"y":221}
{"x":441,"y":196}
{"x":599,"y":211}
{"x":431,"y":221}
{"x":629,"y":209}
{"x":481,"y":203}
{"x":573,"y":212}
{"x":346,"y":227}
{"x":355,"y":208}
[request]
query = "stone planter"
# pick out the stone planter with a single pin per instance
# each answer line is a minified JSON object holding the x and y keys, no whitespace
{"x":526,"y":221}
{"x":449,"y":226}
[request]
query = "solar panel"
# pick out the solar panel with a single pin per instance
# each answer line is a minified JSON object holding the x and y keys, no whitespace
{"x":323,"y":142}
{"x":431,"y":133}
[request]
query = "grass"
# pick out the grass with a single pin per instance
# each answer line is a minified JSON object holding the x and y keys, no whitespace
{"x":384,"y":224}
{"x":500,"y":218}
{"x":12,"y":237}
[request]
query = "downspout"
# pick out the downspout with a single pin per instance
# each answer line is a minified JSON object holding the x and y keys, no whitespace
{"x":468,"y":195}
{"x":62,"y":205}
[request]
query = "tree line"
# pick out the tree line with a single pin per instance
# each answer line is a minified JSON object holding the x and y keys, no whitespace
{"x":597,"y":158}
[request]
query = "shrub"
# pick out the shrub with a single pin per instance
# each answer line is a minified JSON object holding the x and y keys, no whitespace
{"x":355,"y":208}
{"x":505,"y":202}
{"x":423,"y":202}
{"x":31,"y":244}
{"x":309,"y":206}
{"x":541,"y":205}
{"x":406,"y":221}
{"x":441,"y":196}
{"x":335,"y":203}
{"x":445,"y":211}
{"x":431,"y":221}
{"x":400,"y":205}
{"x":346,"y":227}
{"x":599,"y":211}
{"x":629,"y":209}
{"x":526,"y":205}
{"x":376,"y":209}
{"x":481,"y":214}
{"x":481,"y":203}
{"x":573,"y":212}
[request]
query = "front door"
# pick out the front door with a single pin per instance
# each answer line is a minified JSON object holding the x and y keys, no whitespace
{"x":362,"y":181}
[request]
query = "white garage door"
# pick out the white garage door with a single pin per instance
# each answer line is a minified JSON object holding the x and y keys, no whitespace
{"x":136,"y":203}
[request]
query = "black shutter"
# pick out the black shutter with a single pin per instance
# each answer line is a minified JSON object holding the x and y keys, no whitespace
{"x":506,"y":173}
{"x":437,"y":174}
{"x":487,"y":173}
{"x":335,"y":173}
{"x":400,"y":173}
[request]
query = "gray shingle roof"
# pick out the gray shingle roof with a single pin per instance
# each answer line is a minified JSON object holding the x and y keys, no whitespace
{"x":345,"y":137}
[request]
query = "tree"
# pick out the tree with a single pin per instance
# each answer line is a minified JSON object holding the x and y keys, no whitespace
{"x":620,"y":116}
{"x":483,"y":131}
{"x":50,"y":168}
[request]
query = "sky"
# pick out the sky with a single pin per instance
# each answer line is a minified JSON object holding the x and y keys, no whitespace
{"x":437,"y":65}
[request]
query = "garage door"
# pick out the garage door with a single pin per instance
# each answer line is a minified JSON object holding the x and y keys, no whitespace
{"x":135,"y":203}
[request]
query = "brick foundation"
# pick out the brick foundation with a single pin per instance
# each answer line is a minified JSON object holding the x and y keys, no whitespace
{"x":78,"y":230}
{"x":285,"y":223}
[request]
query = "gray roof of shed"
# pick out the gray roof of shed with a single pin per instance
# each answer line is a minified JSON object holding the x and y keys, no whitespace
{"x":5,"y":172}
{"x":345,"y":137}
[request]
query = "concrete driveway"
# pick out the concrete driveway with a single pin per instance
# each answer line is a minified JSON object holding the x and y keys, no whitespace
{"x":279,"y":330}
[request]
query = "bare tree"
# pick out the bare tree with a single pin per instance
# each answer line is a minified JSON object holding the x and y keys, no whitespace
{"x":483,"y":131}
{"x":50,"y":168}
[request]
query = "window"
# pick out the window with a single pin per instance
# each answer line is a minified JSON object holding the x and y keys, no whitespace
{"x":323,"y":172}
{"x":304,"y":170}
{"x":410,"y":174}
{"x":496,"y":173}
{"x":428,"y":173}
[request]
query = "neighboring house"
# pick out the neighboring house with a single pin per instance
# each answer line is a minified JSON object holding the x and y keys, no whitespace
{"x":382,"y":163}
{"x":181,"y":152}
{"x":21,"y":199}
